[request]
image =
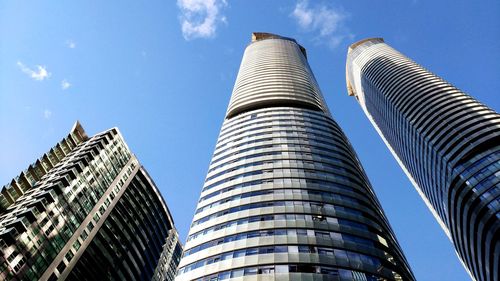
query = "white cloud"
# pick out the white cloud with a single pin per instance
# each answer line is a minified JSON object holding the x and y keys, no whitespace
{"x":47,"y":114}
{"x":40,"y":74}
{"x":65,"y":84}
{"x":327,"y":23}
{"x":303,"y":15}
{"x":199,"y":18}
{"x":71,"y":44}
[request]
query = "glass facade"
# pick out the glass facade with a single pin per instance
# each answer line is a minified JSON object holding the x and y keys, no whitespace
{"x":285,"y":196}
{"x":446,"y":141}
{"x":87,"y":210}
{"x":169,"y":259}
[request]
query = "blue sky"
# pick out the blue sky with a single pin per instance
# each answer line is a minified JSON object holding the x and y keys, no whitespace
{"x":163,"y":71}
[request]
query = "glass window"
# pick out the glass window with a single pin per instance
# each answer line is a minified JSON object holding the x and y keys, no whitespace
{"x":265,"y":250}
{"x":240,"y":253}
{"x":302,"y":232}
{"x":226,"y":256}
{"x":252,"y":251}
{"x":224,"y":275}
{"x":306,"y":268}
{"x":318,"y":218}
{"x":354,"y":259}
{"x":325,"y":251}
{"x":69,"y":255}
{"x":250,"y":271}
{"x":322,"y":234}
{"x":340,"y":254}
{"x":61,"y":267}
{"x":236,"y":273}
{"x":306,"y":249}
{"x":77,"y":245}
{"x":266,"y":270}
{"x":280,"y":249}
{"x":253,"y":234}
{"x":336,"y":236}
{"x":329,"y":271}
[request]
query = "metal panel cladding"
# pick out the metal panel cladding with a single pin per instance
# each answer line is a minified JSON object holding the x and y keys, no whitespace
{"x":446,"y":142}
{"x":285,"y":197}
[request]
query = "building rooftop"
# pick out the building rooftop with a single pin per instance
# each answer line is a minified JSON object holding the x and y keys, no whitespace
{"x":373,"y":40}
{"x":28,"y":178}
{"x":259,"y":36}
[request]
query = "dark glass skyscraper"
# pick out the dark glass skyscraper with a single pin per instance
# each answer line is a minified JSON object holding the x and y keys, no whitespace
{"x":86,"y":210}
{"x":285,"y":197}
{"x":446,"y":142}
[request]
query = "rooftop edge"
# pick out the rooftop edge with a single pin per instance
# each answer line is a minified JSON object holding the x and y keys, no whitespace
{"x":354,"y":45}
{"x":259,"y":36}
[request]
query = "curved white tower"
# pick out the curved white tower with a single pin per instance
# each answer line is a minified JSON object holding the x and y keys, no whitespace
{"x":447,"y":143}
{"x":285,"y":196}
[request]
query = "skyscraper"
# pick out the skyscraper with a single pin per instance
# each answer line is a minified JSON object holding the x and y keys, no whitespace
{"x":86,"y":210}
{"x":169,"y":259}
{"x":447,"y":143}
{"x":285,"y":196}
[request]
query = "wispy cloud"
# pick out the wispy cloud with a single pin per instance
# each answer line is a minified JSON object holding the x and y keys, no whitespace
{"x":200,"y":18}
{"x":324,"y":21}
{"x":39,"y":74}
{"x":70,"y":44}
{"x":65,"y":84}
{"x":47,"y":114}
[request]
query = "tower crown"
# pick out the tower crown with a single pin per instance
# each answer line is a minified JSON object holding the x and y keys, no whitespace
{"x":274,"y":72}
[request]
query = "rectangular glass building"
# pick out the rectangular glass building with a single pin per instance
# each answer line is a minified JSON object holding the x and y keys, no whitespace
{"x":86,"y":210}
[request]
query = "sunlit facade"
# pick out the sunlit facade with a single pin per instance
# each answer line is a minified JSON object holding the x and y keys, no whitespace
{"x":285,"y":197}
{"x":169,"y":259}
{"x":447,"y":142}
{"x":86,"y":210}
